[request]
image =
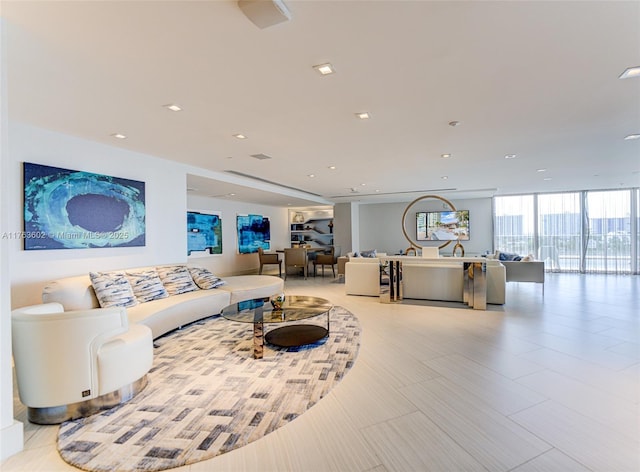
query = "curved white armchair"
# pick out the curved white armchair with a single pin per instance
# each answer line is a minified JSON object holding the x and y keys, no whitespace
{"x":72,"y":364}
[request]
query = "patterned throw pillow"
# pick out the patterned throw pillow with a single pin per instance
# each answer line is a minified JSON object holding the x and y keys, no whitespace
{"x":205,"y":279}
{"x":176,"y":279}
{"x":112,"y":289}
{"x":506,"y":256}
{"x":147,"y":285}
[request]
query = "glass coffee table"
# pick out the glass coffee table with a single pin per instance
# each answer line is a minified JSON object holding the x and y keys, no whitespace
{"x":295,"y":308}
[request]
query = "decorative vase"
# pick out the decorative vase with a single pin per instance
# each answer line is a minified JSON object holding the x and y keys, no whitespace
{"x":277,"y":300}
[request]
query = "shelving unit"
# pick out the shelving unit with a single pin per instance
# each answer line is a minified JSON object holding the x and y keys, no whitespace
{"x":314,"y":228}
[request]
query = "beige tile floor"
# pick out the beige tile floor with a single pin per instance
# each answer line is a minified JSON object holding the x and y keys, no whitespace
{"x":542,"y":384}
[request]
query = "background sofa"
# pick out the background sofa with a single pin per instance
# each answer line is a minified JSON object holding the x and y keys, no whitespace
{"x":521,"y":268}
{"x":362,"y":276}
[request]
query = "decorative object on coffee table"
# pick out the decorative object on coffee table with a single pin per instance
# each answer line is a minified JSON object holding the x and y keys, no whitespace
{"x":277,"y":300}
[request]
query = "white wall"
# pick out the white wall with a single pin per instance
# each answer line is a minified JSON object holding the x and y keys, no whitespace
{"x":381,"y":225}
{"x":11,"y":431}
{"x":165,"y":195}
{"x":230,"y":262}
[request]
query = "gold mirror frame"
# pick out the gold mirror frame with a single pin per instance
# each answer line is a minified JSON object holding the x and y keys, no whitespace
{"x":404,"y":218}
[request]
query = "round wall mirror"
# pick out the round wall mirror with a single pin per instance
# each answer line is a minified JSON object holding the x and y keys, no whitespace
{"x":414,"y":242}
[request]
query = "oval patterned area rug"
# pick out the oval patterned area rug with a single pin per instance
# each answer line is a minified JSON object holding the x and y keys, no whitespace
{"x":207,"y":396}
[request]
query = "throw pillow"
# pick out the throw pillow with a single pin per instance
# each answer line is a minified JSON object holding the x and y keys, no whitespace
{"x":147,"y":285}
{"x":176,"y":279}
{"x":506,"y":256}
{"x":205,"y":279}
{"x":371,"y":253}
{"x":112,"y":289}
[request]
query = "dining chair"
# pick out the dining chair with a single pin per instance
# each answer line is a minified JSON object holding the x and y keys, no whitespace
{"x":269,"y":259}
{"x":297,"y":258}
{"x":328,"y":258}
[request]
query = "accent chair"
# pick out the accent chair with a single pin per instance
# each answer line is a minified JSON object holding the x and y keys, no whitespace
{"x":71,"y":364}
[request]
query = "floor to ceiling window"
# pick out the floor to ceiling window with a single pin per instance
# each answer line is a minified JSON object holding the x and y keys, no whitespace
{"x":514,"y":222}
{"x":588,"y":231}
{"x":560,"y":231}
{"x":608,"y":215}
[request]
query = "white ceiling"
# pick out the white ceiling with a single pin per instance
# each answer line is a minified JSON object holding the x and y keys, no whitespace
{"x":536,"y":79}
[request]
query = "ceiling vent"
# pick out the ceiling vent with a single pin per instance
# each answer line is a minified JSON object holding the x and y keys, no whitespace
{"x":265,"y":13}
{"x":261,"y":157}
{"x":249,"y":176}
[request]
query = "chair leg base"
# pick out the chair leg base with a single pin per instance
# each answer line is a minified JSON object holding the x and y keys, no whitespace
{"x":60,"y":414}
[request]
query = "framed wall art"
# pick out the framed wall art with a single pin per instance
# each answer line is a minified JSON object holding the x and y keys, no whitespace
{"x":204,"y":232}
{"x":253,"y":231}
{"x":71,"y":209}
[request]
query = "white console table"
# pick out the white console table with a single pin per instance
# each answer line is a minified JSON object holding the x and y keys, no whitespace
{"x":475,"y":278}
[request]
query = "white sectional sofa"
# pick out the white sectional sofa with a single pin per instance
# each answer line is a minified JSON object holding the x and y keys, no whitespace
{"x":423,"y":280}
{"x":166,"y":314}
{"x":74,"y":357}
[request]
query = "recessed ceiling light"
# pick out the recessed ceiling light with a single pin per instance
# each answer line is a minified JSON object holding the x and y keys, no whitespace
{"x":445,"y":156}
{"x":547,"y":178}
{"x":325,"y":69}
{"x":311,"y":175}
{"x":632,"y":136}
{"x":332,"y":167}
{"x":444,"y":177}
{"x":363,"y":116}
{"x":541,"y":170}
{"x":173,"y":107}
{"x":377,"y":190}
{"x":454,"y":123}
{"x":362,"y":185}
{"x":240,"y":136}
{"x":510,"y":156}
{"x":119,"y":136}
{"x":232,"y":194}
{"x":630,"y":73}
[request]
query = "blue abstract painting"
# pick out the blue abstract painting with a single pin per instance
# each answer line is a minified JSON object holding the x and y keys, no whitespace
{"x":70,"y":209}
{"x":254,"y":231}
{"x":204,"y":233}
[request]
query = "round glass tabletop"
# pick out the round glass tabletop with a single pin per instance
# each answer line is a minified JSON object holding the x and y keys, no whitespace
{"x":294,"y":308}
